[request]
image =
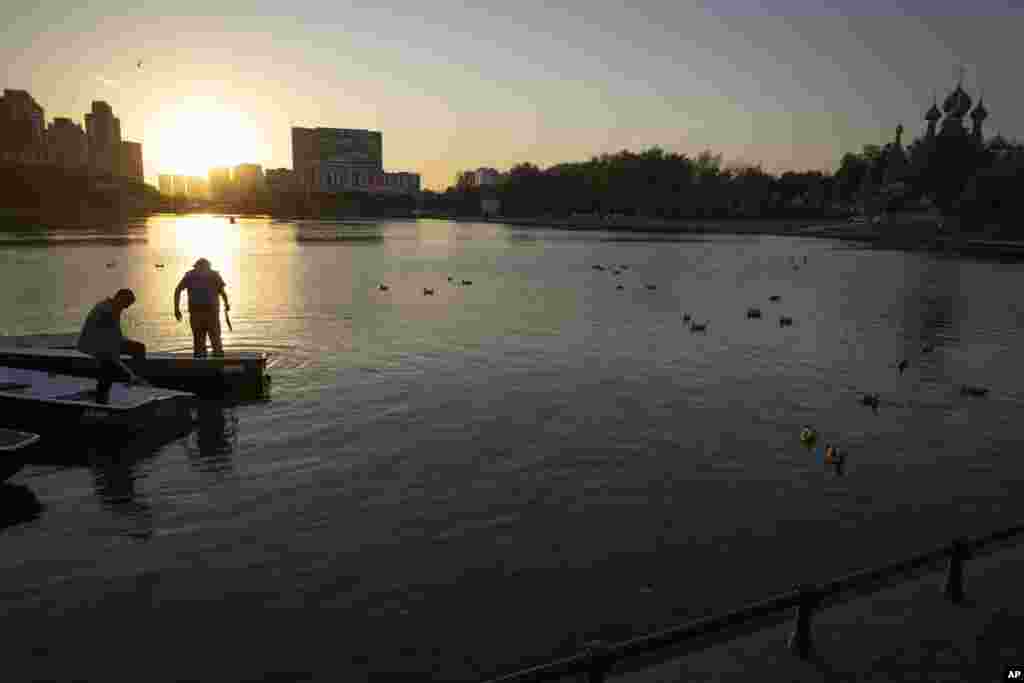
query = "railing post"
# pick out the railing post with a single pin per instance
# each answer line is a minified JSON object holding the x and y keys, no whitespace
{"x":954,"y":589}
{"x":600,"y":661}
{"x":800,"y":641}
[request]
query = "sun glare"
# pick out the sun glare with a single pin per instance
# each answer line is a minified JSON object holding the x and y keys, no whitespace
{"x":199,"y":133}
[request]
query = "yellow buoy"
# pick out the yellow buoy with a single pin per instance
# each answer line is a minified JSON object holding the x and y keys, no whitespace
{"x":808,"y":437}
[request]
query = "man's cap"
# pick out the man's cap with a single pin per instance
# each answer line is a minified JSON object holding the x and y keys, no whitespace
{"x":201,"y":262}
{"x":126,"y":293}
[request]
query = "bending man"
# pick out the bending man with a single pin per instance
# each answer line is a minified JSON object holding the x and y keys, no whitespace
{"x":101,"y":338}
{"x":204,"y":285}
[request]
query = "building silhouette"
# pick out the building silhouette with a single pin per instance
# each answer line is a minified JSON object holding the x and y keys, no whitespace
{"x":68,"y":146}
{"x":131,"y":160}
{"x":104,"y":134}
{"x":334,"y":160}
{"x":220,"y":183}
{"x":248,"y":179}
{"x":165,"y":184}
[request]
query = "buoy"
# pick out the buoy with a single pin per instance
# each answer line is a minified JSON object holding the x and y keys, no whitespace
{"x":785,"y":321}
{"x":808,"y":437}
{"x":967,"y":390}
{"x":620,"y":287}
{"x":382,"y":287}
{"x":651,"y":286}
{"x":833,"y":456}
{"x":699,"y":327}
{"x":427,"y":292}
{"x":902,"y":365}
{"x":774,"y":297}
{"x":871,"y":400}
{"x":753,"y":313}
{"x":686,"y":317}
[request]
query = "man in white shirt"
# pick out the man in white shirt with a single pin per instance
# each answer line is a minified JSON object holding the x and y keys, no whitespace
{"x":101,"y":338}
{"x":204,"y":285}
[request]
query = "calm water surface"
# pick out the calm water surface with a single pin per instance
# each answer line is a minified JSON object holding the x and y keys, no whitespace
{"x":452,"y":486}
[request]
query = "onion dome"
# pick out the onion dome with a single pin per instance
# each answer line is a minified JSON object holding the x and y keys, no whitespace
{"x":933,"y":114}
{"x":958,"y":103}
{"x":979,"y":113}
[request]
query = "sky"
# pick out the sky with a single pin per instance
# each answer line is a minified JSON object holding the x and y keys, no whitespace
{"x":790,"y":87}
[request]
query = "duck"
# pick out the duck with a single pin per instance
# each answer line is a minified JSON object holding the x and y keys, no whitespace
{"x":687,"y":317}
{"x":808,"y":437}
{"x":968,"y":390}
{"x":753,"y":312}
{"x":383,"y":287}
{"x":785,"y":321}
{"x":467,"y":282}
{"x":871,"y":400}
{"x":623,"y":267}
{"x":111,"y":264}
{"x":698,"y":327}
{"x":927,"y":348}
{"x":902,"y":365}
{"x":428,"y":292}
{"x":159,"y":265}
{"x":620,"y":287}
{"x":651,"y":287}
{"x":775,"y":297}
{"x":805,"y":258}
{"x":451,"y":279}
{"x":597,"y":267}
{"x":834,"y":456}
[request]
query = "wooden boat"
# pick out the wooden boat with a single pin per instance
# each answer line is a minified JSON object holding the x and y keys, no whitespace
{"x":12,"y":441}
{"x":234,"y":374}
{"x":62,"y":409}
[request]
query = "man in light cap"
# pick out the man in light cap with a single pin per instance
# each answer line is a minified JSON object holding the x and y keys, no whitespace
{"x":204,"y":285}
{"x":101,"y":338}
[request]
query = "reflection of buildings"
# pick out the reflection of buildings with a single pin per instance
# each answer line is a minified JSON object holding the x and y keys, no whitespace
{"x":333,"y":160}
{"x":114,"y":477}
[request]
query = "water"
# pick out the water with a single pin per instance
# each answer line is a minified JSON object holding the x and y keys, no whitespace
{"x":456,"y":485}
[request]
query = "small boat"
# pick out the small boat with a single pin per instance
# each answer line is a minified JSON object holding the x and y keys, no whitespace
{"x":238,"y":374}
{"x":64,"y":406}
{"x":12,"y":441}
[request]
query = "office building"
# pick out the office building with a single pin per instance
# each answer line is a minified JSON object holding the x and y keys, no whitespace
{"x":103,"y":130}
{"x":280,"y":180}
{"x":332,"y":160}
{"x":248,"y":179}
{"x":131,"y":160}
{"x":68,"y":146}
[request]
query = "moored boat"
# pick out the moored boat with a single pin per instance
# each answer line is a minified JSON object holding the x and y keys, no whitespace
{"x":12,"y":441}
{"x":239,"y":374}
{"x":64,"y":409}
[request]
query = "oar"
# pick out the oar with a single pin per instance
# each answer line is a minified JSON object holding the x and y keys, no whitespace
{"x":227,"y":319}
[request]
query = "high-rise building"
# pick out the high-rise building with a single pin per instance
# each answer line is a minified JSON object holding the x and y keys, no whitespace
{"x":131,"y":160}
{"x":68,"y":146}
{"x":280,"y":180}
{"x":335,"y":160}
{"x":22,"y":129}
{"x":198,"y":188}
{"x":220,"y":183}
{"x":166,"y":184}
{"x":326,"y":159}
{"x":104,"y":132}
{"x":179,"y":186}
{"x":248,"y":179}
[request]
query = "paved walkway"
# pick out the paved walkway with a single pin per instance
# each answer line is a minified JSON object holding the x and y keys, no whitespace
{"x":906,"y":633}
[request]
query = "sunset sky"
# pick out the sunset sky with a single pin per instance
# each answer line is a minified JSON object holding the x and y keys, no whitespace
{"x":455,"y":87}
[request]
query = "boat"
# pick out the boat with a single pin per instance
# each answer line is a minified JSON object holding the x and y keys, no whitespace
{"x":12,"y":441}
{"x":237,"y":374}
{"x":62,"y":408}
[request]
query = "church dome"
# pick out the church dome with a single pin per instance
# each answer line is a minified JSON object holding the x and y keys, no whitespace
{"x":933,"y":114}
{"x":958,"y":103}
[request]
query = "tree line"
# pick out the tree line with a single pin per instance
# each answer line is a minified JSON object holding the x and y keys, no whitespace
{"x":984,"y":184}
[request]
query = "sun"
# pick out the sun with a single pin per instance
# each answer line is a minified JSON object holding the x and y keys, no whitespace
{"x":200,"y":132}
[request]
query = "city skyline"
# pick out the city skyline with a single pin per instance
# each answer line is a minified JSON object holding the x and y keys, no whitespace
{"x":493,"y":86}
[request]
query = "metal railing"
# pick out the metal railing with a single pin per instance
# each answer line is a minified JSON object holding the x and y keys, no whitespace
{"x":599,"y":659}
